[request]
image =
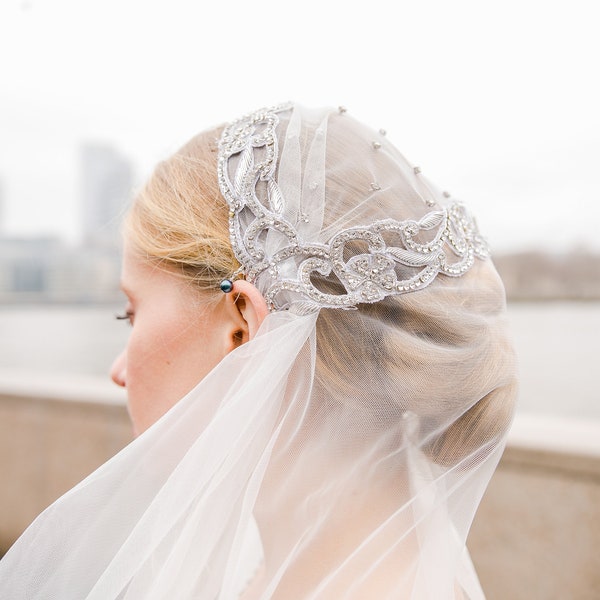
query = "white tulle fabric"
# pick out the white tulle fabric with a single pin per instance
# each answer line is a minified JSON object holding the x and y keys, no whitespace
{"x":337,"y":455}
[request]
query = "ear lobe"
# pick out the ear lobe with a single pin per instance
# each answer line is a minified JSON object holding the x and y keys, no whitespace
{"x":251,"y":308}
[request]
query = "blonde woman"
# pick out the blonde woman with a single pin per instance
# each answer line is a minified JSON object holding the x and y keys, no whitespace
{"x":319,"y":373}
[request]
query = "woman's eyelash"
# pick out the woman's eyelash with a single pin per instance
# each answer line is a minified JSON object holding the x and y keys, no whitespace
{"x":126,"y":316}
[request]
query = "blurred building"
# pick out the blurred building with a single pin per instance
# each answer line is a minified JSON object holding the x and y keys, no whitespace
{"x":537,"y":275}
{"x":2,"y":206}
{"x":24,"y":265}
{"x":45,"y":270}
{"x":42,"y":269}
{"x":106,"y":184}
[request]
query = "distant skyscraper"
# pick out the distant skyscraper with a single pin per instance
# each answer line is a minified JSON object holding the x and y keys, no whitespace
{"x":2,"y":206}
{"x":107,"y":180}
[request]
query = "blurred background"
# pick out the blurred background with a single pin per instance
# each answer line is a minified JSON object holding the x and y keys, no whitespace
{"x":497,"y":102}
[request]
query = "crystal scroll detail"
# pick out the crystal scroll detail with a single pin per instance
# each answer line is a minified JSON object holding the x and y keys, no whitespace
{"x":397,"y":257}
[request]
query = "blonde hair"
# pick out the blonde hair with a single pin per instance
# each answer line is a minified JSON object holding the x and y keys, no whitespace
{"x":180,"y":221}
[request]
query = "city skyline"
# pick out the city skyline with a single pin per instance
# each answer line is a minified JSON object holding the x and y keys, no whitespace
{"x":44,"y":268}
{"x":72,"y":211}
{"x":499,"y":108}
{"x":565,"y":225}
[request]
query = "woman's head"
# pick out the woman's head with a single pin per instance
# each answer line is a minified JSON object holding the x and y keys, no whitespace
{"x":336,"y":174}
{"x":177,"y":251}
{"x":343,"y":445}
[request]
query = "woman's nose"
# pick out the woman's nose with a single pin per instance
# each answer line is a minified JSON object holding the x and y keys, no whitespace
{"x":118,"y":371}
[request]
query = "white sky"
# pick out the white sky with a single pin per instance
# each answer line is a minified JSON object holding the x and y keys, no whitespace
{"x":497,"y":102}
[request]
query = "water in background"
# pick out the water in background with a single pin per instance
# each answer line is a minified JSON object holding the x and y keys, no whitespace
{"x":557,"y":343}
{"x":59,"y":339}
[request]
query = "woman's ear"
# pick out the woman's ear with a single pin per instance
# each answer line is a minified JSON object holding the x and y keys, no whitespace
{"x":247,"y":310}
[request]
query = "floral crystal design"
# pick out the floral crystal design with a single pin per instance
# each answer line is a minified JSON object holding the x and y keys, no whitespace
{"x":248,"y":153}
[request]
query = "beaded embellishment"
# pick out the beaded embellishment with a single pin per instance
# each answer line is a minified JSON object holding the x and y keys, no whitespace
{"x":248,"y":153}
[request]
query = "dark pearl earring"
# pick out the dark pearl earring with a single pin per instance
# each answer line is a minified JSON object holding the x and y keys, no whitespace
{"x":226,"y":285}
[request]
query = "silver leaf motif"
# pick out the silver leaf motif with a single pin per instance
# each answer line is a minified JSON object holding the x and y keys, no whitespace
{"x":412,"y":259}
{"x":243,"y":170}
{"x":432,"y":219}
{"x":275,"y":197}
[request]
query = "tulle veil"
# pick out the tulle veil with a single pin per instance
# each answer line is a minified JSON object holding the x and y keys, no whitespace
{"x":338,"y":454}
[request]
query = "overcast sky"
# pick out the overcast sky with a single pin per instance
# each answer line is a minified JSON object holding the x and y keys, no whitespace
{"x":497,"y":102}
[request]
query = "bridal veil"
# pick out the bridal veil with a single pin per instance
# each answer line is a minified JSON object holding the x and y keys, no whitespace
{"x":342,"y":452}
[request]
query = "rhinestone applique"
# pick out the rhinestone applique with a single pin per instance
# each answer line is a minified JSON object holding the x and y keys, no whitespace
{"x":248,"y":153}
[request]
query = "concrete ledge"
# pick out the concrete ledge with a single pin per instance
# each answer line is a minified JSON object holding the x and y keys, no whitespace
{"x":537,"y":532}
{"x":535,"y":535}
{"x":49,"y":440}
{"x":32,"y":385}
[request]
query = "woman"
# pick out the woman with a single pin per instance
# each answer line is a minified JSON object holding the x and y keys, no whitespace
{"x":319,"y":372}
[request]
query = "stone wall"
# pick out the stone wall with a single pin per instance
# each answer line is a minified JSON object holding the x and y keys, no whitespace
{"x":537,"y":532}
{"x":536,"y":535}
{"x":49,"y":443}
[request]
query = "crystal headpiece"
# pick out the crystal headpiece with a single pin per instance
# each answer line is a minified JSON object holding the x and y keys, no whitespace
{"x":247,"y":164}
